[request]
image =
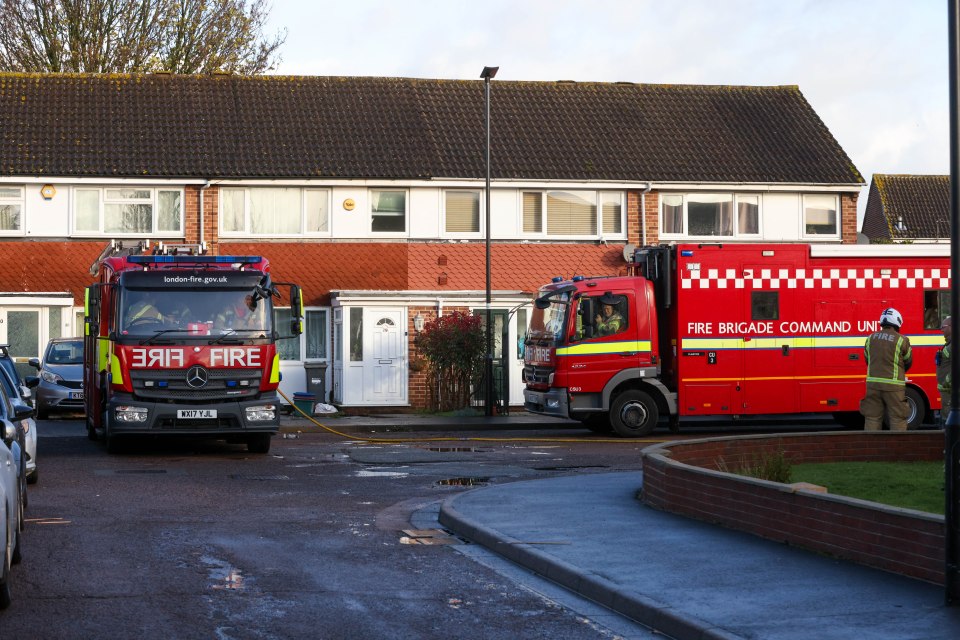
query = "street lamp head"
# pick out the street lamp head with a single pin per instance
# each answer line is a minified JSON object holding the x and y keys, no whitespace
{"x":489,"y":73}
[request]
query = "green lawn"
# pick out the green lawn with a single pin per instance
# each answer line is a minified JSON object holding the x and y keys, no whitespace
{"x":912,"y":485}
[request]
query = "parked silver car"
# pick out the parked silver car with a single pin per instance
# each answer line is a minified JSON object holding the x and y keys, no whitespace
{"x":12,"y":491}
{"x":61,"y":377}
{"x":18,"y":390}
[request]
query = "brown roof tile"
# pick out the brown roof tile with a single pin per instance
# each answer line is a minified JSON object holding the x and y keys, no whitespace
{"x":308,"y":127}
{"x":50,"y":267}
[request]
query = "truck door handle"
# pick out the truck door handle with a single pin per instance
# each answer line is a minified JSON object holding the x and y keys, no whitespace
{"x":627,"y":354}
{"x":853,"y":356}
{"x":785,"y":349}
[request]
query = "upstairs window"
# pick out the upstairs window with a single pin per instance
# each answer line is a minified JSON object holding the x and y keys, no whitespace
{"x":461,"y":212}
{"x":274,"y":211}
{"x":710,"y":215}
{"x":388,"y":211}
{"x":582,"y":214}
{"x":11,"y":210}
{"x":820,"y":215}
{"x":128,"y":210}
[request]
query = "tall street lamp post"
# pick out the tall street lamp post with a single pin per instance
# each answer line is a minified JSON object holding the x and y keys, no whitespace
{"x":488,"y":74}
{"x":952,"y":426}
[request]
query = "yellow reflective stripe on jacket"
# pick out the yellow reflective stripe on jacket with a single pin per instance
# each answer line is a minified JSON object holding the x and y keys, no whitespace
{"x":603,"y":348}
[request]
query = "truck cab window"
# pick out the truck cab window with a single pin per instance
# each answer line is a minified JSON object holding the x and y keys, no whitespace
{"x":936,"y":307}
{"x":610,"y":315}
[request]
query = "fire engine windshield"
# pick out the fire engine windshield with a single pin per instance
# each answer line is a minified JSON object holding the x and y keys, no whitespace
{"x":548,"y":322}
{"x":216,"y":312}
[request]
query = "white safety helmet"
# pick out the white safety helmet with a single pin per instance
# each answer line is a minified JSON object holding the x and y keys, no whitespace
{"x":892,"y":317}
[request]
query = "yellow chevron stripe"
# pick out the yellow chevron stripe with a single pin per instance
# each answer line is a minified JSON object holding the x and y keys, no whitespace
{"x":807,"y":342}
{"x":602,"y":348}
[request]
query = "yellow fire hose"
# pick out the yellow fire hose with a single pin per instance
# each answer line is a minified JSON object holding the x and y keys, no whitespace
{"x":459,"y":438}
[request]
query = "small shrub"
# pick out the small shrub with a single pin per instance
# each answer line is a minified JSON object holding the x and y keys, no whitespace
{"x":765,"y":466}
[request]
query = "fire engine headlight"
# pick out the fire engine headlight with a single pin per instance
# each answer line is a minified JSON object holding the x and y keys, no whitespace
{"x":52,"y":378}
{"x":553,"y":403}
{"x":261,"y":413}
{"x":131,"y":414}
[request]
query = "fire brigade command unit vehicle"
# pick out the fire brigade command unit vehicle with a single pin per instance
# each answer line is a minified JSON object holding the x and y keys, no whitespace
{"x":183,"y":344}
{"x":732,"y":329}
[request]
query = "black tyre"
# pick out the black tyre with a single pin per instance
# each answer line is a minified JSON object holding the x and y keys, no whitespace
{"x":633,"y":414}
{"x":34,"y":477}
{"x":91,"y":431}
{"x":259,"y":443}
{"x":916,"y":408}
{"x":4,"y":580}
{"x":17,"y":554}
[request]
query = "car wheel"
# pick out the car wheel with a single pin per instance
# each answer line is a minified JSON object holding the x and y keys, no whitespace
{"x":633,"y":414}
{"x":17,"y":557}
{"x":4,"y":580}
{"x":33,"y":477}
{"x":259,"y":443}
{"x":42,"y":414}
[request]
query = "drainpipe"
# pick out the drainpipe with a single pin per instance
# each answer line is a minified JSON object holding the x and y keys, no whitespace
{"x":643,"y":214}
{"x":206,"y":185}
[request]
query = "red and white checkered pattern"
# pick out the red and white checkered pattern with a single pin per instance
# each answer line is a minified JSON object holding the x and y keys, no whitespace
{"x":840,"y":278}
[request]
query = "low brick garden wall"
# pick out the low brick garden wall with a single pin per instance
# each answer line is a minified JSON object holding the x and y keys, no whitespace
{"x":682,"y":477}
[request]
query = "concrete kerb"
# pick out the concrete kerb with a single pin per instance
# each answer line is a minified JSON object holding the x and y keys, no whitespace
{"x":646,"y":611}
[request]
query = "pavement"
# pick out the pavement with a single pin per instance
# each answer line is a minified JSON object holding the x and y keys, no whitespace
{"x":683,"y":578}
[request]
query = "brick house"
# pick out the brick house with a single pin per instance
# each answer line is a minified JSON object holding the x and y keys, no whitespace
{"x":369,"y":192}
{"x":907,"y":208}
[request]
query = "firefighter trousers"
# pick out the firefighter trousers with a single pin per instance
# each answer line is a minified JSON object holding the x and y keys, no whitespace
{"x":892,"y":401}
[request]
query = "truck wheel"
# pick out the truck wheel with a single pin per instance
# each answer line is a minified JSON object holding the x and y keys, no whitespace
{"x":633,"y":414}
{"x":916,"y":409}
{"x":259,"y":443}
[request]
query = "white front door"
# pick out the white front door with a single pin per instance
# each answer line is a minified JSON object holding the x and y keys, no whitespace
{"x":384,"y":356}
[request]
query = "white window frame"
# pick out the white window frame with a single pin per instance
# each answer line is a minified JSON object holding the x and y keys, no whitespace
{"x":102,"y":201}
{"x":325,"y":194}
{"x":598,"y":204}
{"x":685,"y":216}
{"x":481,"y":222}
{"x":16,"y":201}
{"x":302,"y":338}
{"x":406,"y":212}
{"x":803,"y":217}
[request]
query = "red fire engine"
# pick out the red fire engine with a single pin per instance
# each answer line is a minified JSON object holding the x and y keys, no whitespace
{"x":732,"y":329}
{"x":181,"y":343}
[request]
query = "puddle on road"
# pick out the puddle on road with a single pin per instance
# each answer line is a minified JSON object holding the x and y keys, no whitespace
{"x":463,"y":482}
{"x":224,"y":576}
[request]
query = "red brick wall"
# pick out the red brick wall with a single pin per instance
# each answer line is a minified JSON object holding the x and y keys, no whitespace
{"x":848,"y":217}
{"x":681,"y":477}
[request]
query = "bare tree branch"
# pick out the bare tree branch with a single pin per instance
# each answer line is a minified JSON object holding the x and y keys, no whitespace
{"x":100,"y":36}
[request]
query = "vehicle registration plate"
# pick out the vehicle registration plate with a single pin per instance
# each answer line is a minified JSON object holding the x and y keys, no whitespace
{"x":76,"y":395}
{"x":196,"y":413}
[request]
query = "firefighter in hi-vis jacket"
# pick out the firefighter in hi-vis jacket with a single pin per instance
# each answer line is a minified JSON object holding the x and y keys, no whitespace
{"x":944,"y":366}
{"x":888,"y":359}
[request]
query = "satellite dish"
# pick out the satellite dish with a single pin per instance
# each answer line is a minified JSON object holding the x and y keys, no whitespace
{"x":628,"y":250}
{"x":862,"y":238}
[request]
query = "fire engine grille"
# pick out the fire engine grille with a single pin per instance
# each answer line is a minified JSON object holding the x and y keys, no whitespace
{"x":171,"y":384}
{"x":536,"y":375}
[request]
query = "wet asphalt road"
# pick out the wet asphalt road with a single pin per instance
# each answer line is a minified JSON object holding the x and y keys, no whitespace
{"x":191,"y":539}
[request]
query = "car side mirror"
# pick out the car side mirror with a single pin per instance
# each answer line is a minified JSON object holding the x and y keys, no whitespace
{"x":34,"y":362}
{"x":22,"y":411}
{"x":31,"y":381}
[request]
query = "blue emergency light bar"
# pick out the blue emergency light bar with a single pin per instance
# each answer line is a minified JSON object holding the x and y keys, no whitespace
{"x":149,"y":259}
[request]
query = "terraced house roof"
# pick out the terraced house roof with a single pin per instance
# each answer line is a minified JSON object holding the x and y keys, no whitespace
{"x":904,"y":207}
{"x":220,"y":126}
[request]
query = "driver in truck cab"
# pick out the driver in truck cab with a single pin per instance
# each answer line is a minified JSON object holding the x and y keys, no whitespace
{"x":145,"y":310}
{"x":608,"y":321}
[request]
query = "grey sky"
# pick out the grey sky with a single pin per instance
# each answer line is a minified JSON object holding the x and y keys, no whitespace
{"x":875,"y":70}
